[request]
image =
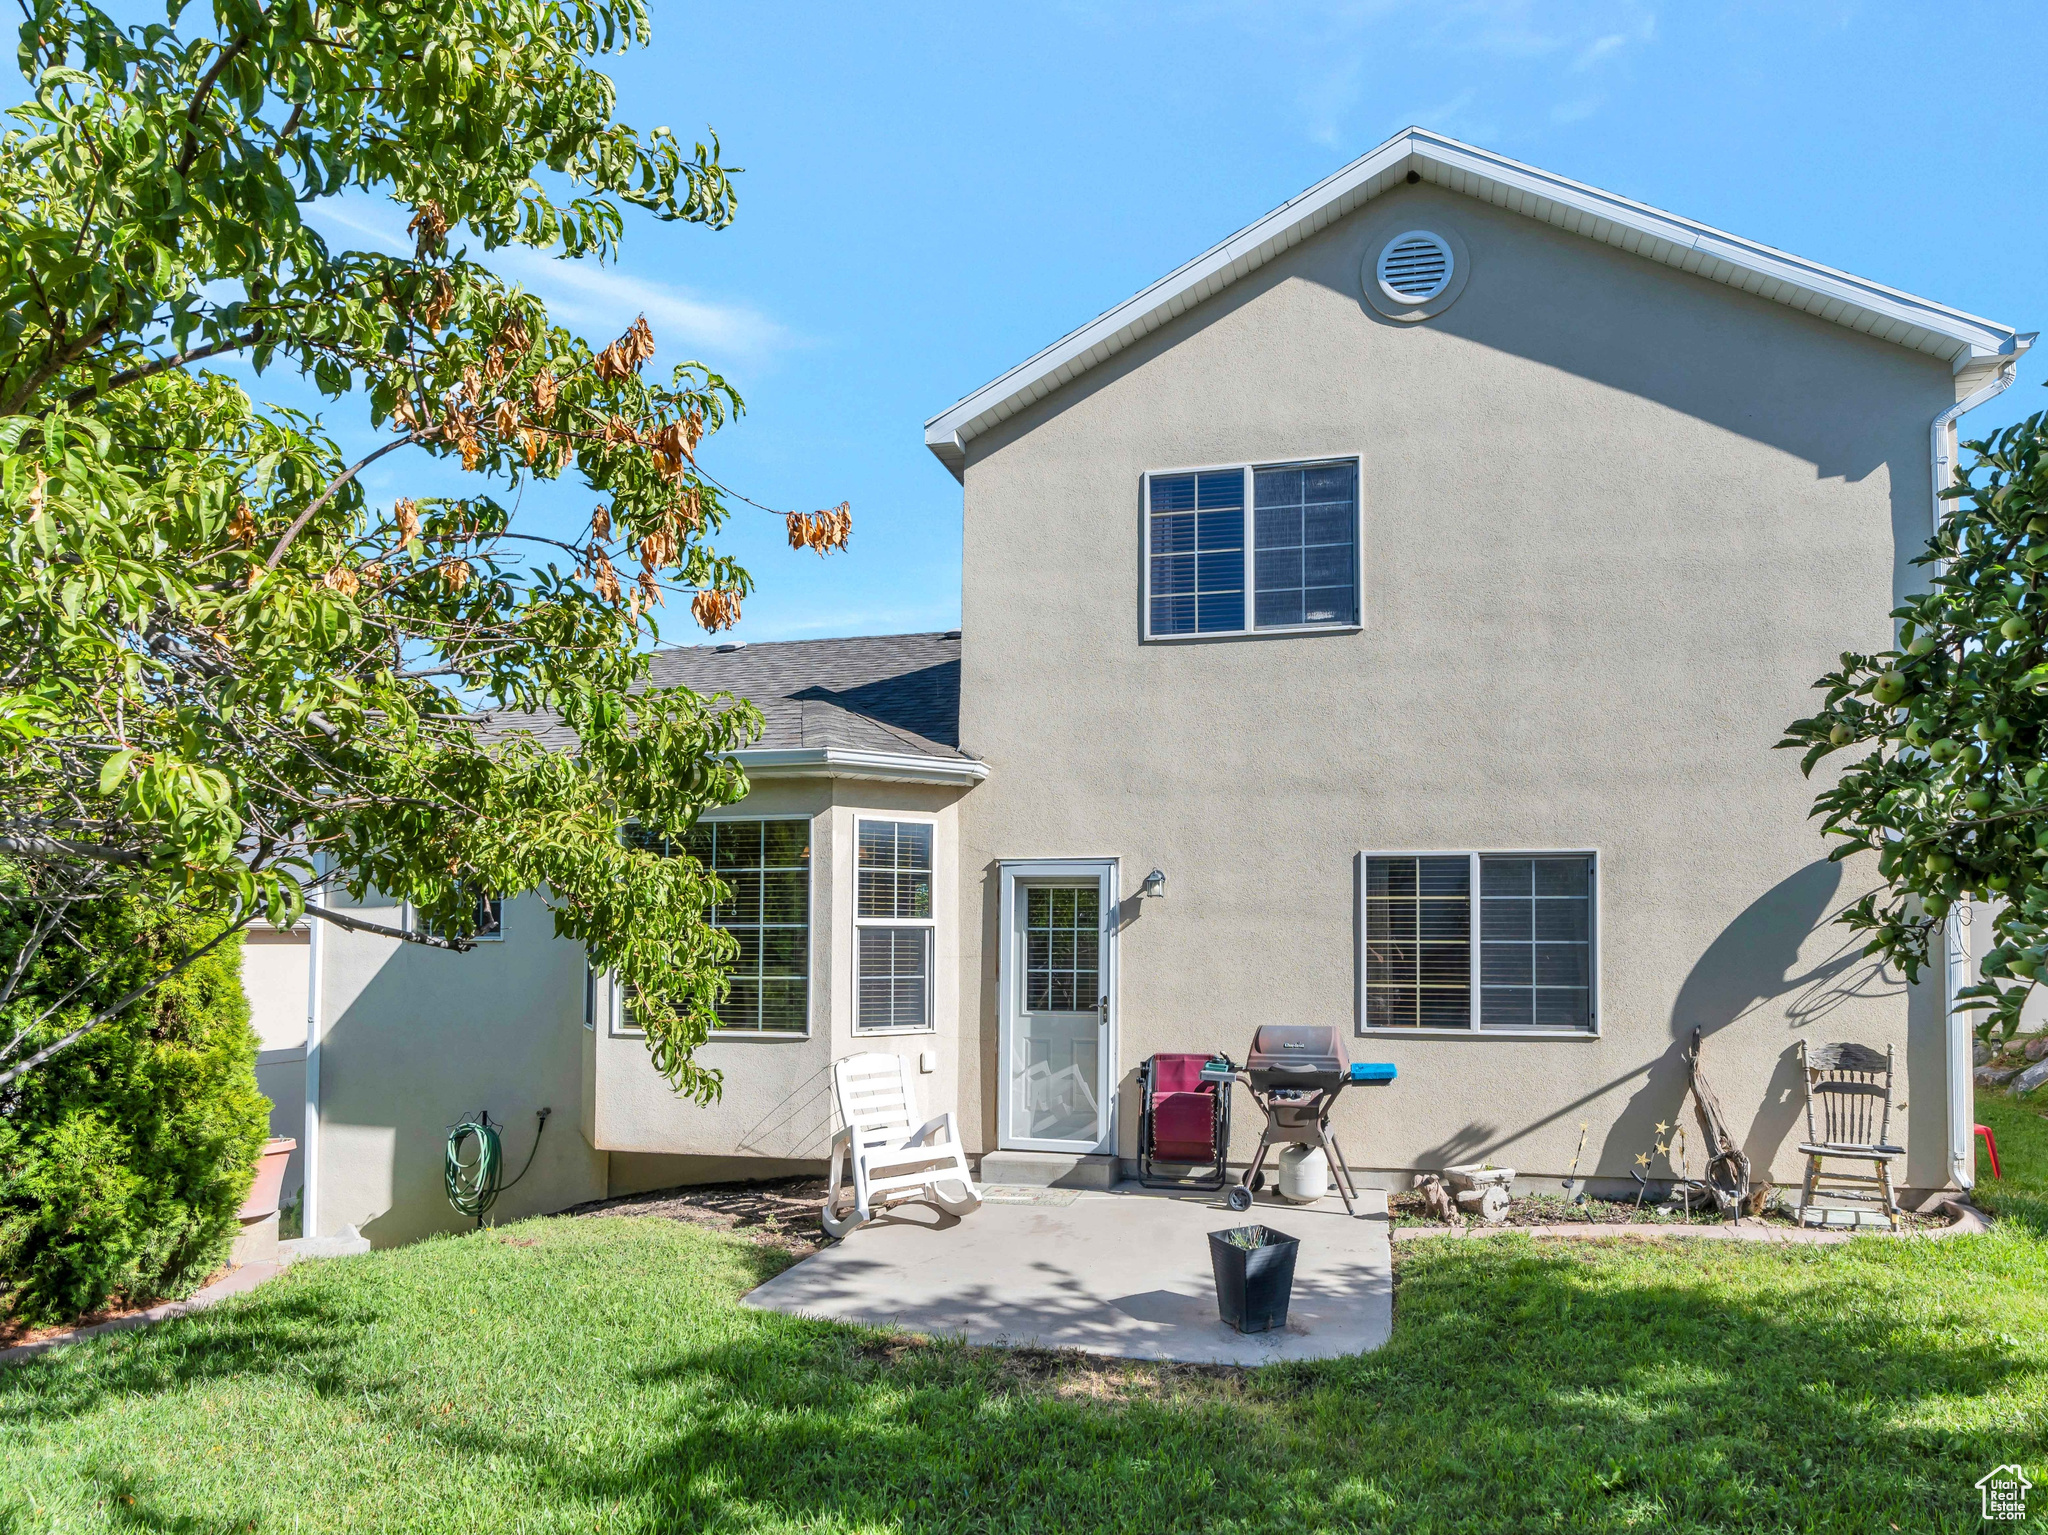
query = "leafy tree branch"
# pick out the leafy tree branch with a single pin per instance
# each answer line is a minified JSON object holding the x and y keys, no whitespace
{"x":1952,"y":790}
{"x":222,"y":666}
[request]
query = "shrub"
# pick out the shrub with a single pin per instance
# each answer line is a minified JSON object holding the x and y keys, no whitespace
{"x":125,"y":1159}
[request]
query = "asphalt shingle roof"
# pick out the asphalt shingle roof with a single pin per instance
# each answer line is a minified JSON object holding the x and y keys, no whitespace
{"x":870,"y":692}
{"x":897,"y":693}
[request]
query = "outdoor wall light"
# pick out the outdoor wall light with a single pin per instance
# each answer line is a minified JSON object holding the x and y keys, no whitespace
{"x":1155,"y":883}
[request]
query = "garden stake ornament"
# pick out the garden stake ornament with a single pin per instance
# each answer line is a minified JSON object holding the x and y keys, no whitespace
{"x":1572,"y":1177}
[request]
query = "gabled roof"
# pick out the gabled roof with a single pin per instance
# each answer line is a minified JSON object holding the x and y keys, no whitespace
{"x":870,"y":706}
{"x":1965,"y":341}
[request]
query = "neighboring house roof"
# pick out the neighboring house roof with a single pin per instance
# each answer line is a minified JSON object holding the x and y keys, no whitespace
{"x":1967,"y":342}
{"x":870,"y":706}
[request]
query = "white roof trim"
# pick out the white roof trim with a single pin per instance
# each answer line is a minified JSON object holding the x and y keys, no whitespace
{"x":831,"y":762}
{"x":1962,"y":340}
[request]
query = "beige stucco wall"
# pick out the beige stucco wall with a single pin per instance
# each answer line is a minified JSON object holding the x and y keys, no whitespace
{"x":274,"y":980}
{"x":1616,"y":520}
{"x":776,"y":1102}
{"x":414,"y":1040}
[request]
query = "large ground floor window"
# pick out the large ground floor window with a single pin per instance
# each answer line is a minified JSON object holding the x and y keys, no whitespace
{"x":765,"y":866}
{"x":1480,"y":941}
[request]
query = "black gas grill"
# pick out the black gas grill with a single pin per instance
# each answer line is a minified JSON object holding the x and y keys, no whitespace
{"x":1290,"y":1056}
{"x":1294,"y":1074}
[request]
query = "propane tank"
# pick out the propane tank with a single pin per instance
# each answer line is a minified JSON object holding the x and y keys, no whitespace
{"x":1304,"y":1174}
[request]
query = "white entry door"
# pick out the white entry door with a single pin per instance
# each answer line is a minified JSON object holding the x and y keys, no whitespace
{"x":1058,"y":1087}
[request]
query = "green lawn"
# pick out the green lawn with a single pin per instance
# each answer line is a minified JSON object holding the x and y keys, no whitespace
{"x":2022,"y":1134}
{"x":595,"y":1374}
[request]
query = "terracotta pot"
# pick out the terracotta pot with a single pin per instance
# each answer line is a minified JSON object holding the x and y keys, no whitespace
{"x":263,"y":1193}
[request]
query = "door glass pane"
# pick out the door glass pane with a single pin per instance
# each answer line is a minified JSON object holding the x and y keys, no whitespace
{"x":1061,"y":947}
{"x":1055,"y":1067}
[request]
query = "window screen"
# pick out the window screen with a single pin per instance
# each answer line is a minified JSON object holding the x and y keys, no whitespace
{"x":1197,"y":552}
{"x":1418,"y":943}
{"x":895,"y":978}
{"x":1306,"y":563}
{"x":893,"y":921}
{"x":766,"y":868}
{"x":487,"y":921}
{"x":1535,"y":929}
{"x":895,"y":869}
{"x":1533,"y":968}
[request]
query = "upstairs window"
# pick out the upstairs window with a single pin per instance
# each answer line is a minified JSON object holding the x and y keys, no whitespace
{"x":1489,"y":942}
{"x":1297,"y":523}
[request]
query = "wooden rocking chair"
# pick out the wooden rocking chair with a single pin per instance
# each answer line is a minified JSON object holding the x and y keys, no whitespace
{"x":1851,"y":1086}
{"x":890,"y":1160}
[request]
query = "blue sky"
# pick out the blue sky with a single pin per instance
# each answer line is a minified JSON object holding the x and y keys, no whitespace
{"x":933,"y":192}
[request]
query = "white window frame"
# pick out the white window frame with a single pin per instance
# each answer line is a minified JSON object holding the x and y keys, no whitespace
{"x":1477,"y":1029}
{"x":621,"y":1029}
{"x":1251,"y":629}
{"x":410,"y":921}
{"x":929,"y":924}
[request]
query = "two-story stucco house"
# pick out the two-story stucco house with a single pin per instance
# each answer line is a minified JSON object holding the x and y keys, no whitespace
{"x":1383,"y":620}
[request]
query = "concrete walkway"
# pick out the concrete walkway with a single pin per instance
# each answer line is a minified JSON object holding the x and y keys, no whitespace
{"x":235,"y":1282}
{"x":1124,"y":1273}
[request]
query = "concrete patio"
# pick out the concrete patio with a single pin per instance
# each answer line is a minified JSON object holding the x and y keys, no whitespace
{"x":1123,"y":1273}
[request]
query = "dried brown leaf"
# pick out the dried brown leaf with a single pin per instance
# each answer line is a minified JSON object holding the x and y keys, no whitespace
{"x":823,"y":531}
{"x":715,"y":609}
{"x":602,"y":576}
{"x":429,"y":227}
{"x":439,"y":304}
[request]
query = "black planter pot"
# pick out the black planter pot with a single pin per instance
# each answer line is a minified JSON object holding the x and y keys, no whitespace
{"x":1253,"y":1284}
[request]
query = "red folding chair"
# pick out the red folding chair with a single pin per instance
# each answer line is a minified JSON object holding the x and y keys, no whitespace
{"x":1184,"y":1121}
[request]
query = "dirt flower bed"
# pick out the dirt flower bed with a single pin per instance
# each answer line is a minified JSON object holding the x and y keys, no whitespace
{"x":1556,"y":1210}
{"x":776,"y":1212}
{"x":14,"y":1331}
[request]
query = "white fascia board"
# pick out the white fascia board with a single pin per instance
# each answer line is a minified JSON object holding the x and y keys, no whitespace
{"x":831,"y":762}
{"x":1963,"y":340}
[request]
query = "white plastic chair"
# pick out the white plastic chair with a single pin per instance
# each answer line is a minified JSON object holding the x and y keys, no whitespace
{"x":891,"y":1161}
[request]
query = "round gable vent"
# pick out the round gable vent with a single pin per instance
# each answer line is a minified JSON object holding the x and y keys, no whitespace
{"x":1416,"y":267}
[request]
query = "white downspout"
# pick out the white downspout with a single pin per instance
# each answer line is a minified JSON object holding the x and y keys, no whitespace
{"x":309,"y":1142}
{"x":1962,"y":1111}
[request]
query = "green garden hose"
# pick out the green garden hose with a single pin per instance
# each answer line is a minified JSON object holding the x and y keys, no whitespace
{"x":472,"y":1184}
